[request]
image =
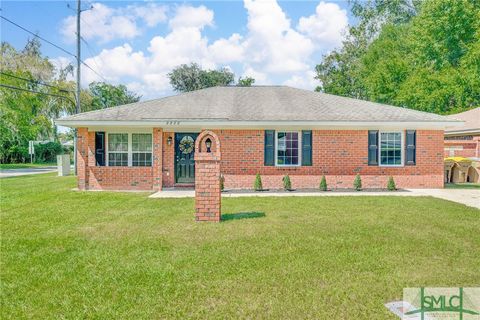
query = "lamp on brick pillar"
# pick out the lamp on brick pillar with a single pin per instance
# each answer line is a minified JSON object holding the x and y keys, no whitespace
{"x":207,"y":178}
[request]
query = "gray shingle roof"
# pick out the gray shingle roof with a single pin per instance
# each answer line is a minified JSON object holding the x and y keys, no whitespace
{"x":257,"y":103}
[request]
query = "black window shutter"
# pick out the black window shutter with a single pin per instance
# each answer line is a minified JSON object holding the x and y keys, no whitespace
{"x":269,"y":154}
{"x":373,"y":147}
{"x":100,"y":148}
{"x":307,"y":148}
{"x":410,"y":147}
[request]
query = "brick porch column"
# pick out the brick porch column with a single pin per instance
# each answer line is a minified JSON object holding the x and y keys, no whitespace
{"x":82,"y":158}
{"x":208,"y":198}
{"x":157,"y":158}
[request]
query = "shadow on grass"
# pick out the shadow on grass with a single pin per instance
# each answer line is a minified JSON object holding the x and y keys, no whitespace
{"x":242,"y":215}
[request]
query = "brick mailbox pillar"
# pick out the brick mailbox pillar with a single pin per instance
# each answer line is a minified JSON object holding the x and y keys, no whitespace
{"x":207,"y":177}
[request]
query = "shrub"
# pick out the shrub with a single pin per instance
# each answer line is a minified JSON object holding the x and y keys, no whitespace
{"x":257,"y":185}
{"x":323,"y":184}
{"x":222,"y":182}
{"x":357,"y":183}
{"x":287,"y":184}
{"x":391,"y":184}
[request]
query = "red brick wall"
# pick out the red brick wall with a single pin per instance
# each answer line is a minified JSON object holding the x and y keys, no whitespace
{"x":471,"y":148}
{"x":337,"y":154}
{"x":168,"y":160}
{"x":121,"y":178}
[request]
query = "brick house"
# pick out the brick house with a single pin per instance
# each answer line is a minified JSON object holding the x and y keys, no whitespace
{"x":270,"y":130}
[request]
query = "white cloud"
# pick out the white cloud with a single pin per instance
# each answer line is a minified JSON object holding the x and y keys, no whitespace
{"x":326,"y":26}
{"x":105,"y":23}
{"x":191,"y":17}
{"x":152,"y":14}
{"x":272,"y":50}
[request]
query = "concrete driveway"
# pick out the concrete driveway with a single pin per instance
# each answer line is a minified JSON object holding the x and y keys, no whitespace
{"x":7,"y":173}
{"x":468,"y":197}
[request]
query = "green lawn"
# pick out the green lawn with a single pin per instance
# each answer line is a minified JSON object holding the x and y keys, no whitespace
{"x":25,"y":165}
{"x":67,"y":254}
{"x":462,"y":185}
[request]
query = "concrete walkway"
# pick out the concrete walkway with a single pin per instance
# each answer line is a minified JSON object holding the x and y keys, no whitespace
{"x":7,"y":173}
{"x":469,"y":197}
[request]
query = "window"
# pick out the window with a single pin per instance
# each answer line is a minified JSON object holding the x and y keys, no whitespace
{"x":391,"y":149}
{"x":118,"y":149}
{"x":141,"y":149}
{"x":288,"y":149}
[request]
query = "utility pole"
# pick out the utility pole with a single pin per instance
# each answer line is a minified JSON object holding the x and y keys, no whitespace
{"x":77,"y":95}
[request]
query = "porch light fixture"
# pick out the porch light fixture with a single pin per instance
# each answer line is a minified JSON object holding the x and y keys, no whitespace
{"x":169,"y":141}
{"x":208,"y":144}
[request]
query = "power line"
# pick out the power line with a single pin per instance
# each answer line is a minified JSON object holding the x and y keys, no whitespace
{"x":90,"y":49}
{"x":53,"y":44}
{"x":35,"y":91}
{"x":37,"y":36}
{"x":35,"y":81}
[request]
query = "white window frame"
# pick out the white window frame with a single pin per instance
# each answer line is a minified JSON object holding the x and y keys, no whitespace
{"x":141,"y":151}
{"x":299,"y":148}
{"x":129,"y":152}
{"x":402,"y":148}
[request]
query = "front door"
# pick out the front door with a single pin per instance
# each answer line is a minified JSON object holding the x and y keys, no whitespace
{"x":184,"y":161}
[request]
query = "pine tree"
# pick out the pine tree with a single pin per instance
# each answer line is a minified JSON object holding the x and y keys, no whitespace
{"x":287,"y":184}
{"x":391,"y":184}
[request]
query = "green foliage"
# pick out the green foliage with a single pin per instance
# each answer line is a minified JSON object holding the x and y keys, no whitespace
{"x":422,"y":56}
{"x":222,"y":182}
{"x":191,"y":77}
{"x":257,"y":185}
{"x":391,"y":184}
{"x":106,"y":95}
{"x":245,"y":82}
{"x":287,"y":184}
{"x":48,"y":152}
{"x":323,"y":184}
{"x":357,"y":183}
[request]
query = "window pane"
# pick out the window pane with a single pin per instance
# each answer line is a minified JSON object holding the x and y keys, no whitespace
{"x":141,"y":142}
{"x":141,"y":159}
{"x":287,"y":148}
{"x":117,"y":159}
{"x":118,"y":142}
{"x":391,"y":148}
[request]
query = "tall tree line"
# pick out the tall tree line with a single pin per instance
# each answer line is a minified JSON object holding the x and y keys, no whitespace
{"x":423,"y":55}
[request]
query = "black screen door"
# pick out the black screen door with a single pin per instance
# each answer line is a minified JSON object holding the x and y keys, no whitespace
{"x":184,"y":160}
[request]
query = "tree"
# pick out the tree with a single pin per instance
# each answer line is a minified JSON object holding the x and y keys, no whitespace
{"x":245,"y":82}
{"x":106,"y":95}
{"x":422,"y":56}
{"x":191,"y":77}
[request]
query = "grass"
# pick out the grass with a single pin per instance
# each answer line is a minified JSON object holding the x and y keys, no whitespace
{"x":25,"y":165}
{"x":67,"y":254}
{"x":462,"y":185}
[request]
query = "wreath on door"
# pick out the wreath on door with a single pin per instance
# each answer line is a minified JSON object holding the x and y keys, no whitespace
{"x":186,"y":145}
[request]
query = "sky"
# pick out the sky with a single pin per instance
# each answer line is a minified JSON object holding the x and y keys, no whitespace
{"x":137,"y":43}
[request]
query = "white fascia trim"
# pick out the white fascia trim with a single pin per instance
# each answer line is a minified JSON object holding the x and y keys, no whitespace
{"x":222,"y":124}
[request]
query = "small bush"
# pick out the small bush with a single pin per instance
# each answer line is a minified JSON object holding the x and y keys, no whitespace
{"x":222,"y":182}
{"x":357,"y":183}
{"x":323,"y":184}
{"x":257,"y":185}
{"x":287,"y":184}
{"x":391,"y":184}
